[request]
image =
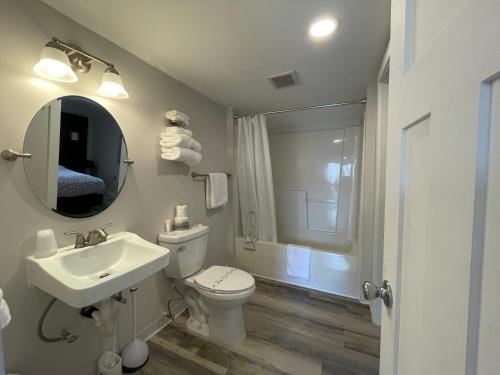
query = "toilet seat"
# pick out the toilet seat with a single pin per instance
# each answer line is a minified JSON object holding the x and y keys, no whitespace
{"x":224,"y":280}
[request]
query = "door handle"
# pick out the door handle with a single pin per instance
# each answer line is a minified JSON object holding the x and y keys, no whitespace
{"x":371,"y":291}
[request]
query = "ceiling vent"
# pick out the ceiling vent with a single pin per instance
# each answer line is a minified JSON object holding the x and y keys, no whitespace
{"x":282,"y":80}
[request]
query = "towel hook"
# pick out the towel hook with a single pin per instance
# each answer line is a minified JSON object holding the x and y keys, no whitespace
{"x":11,"y":155}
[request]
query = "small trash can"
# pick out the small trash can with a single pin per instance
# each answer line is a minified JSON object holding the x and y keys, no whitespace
{"x":109,"y":363}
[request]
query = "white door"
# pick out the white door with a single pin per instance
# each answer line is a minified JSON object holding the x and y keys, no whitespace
{"x":442,"y":207}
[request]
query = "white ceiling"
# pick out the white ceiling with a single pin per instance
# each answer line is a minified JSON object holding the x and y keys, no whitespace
{"x":226,"y":49}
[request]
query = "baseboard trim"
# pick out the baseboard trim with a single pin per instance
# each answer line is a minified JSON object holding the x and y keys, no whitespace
{"x":157,"y":325}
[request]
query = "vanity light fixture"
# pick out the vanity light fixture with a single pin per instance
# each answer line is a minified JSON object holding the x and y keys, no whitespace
{"x":54,"y":64}
{"x":323,"y":27}
{"x":112,"y":85}
{"x":60,"y":61}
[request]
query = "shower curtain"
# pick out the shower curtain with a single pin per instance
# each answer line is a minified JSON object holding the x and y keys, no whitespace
{"x":255,"y":176}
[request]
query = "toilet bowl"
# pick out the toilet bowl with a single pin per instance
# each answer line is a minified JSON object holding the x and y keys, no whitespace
{"x":216,"y":295}
{"x":222,"y":292}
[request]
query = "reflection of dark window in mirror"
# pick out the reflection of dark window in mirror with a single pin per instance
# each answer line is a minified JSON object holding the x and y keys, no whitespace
{"x":81,"y":171}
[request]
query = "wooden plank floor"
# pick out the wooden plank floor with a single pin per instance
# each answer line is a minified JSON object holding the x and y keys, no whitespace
{"x":290,"y":331}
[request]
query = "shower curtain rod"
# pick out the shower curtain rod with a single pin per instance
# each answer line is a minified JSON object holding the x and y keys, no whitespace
{"x":361,"y":101}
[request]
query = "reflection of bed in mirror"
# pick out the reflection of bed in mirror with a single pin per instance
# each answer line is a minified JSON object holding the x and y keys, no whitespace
{"x":78,"y":192}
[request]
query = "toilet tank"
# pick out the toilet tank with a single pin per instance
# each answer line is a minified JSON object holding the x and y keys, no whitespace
{"x":188,"y":249}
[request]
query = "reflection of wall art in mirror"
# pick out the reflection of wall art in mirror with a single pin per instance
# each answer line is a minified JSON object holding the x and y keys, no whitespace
{"x":79,"y":156}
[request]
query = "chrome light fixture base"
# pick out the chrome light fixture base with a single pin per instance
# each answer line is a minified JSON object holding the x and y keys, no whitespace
{"x":79,"y":63}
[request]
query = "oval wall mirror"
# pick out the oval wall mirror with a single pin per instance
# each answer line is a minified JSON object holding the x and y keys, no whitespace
{"x":78,"y":165}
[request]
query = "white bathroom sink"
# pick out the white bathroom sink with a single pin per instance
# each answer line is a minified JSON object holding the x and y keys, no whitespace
{"x":81,"y":277}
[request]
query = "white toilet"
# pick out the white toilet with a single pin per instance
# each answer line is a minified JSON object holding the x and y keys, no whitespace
{"x":215,"y":295}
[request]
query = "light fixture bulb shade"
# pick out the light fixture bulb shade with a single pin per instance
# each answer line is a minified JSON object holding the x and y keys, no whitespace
{"x":112,"y":86}
{"x":54,"y":64}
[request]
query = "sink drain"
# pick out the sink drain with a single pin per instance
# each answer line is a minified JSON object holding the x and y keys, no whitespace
{"x":106,"y":274}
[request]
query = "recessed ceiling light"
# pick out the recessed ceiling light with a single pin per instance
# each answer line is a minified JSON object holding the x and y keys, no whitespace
{"x":323,"y":27}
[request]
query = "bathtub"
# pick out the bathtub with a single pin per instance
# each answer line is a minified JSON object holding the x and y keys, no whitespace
{"x":329,"y":272}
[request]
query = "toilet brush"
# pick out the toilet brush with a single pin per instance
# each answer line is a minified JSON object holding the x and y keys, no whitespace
{"x":136,"y":352}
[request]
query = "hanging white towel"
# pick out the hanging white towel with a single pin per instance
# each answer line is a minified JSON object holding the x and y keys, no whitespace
{"x":298,"y":260}
{"x":4,"y":312}
{"x":180,"y":140}
{"x":169,"y":130}
{"x":184,"y":155}
{"x":216,"y":190}
{"x":177,"y":116}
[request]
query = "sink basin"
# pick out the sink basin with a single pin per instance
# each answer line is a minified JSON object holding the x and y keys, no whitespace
{"x":82,"y":277}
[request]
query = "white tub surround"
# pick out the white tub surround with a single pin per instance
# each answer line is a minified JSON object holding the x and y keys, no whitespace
{"x":329,"y":272}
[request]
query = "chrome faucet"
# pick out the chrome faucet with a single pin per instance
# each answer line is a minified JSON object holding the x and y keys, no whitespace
{"x":80,"y":239}
{"x":98,"y":236}
{"x":94,"y":237}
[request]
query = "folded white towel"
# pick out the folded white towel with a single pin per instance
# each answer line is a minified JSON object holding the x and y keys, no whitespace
{"x":184,"y":155}
{"x":169,"y":130}
{"x":4,"y":312}
{"x":180,"y":140}
{"x":216,"y":190}
{"x":177,"y":116}
{"x":174,"y":113}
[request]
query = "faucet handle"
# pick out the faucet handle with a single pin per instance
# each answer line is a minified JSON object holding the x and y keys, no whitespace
{"x":106,"y":226}
{"x":80,"y":239}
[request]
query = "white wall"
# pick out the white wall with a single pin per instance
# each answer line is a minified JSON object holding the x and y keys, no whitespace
{"x":152,"y":186}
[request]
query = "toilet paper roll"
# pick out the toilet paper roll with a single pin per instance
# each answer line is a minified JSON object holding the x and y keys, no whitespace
{"x":46,"y":244}
{"x":181,"y":210}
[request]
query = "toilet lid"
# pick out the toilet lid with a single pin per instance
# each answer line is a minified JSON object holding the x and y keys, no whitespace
{"x":221,"y":279}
